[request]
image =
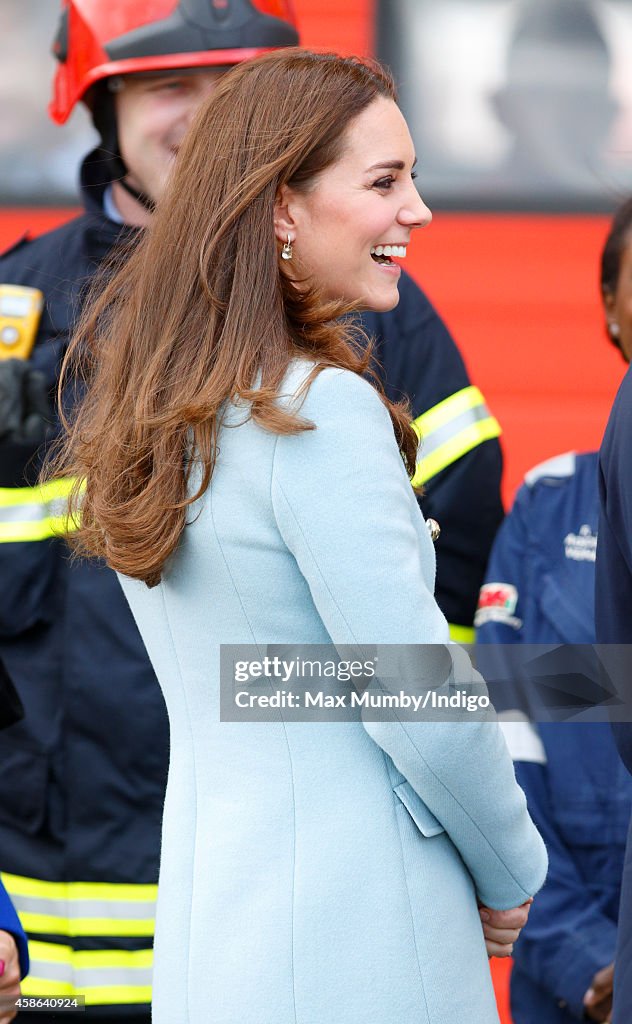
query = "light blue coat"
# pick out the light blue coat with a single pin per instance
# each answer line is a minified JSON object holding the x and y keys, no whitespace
{"x":321,"y":873}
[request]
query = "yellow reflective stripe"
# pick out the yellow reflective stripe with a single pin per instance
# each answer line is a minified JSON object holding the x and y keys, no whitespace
{"x":35,"y":513}
{"x":462,"y":634}
{"x":53,"y":490}
{"x":85,"y":926}
{"x":20,"y":885}
{"x":454,"y":449}
{"x":103,"y":976}
{"x":73,"y":909}
{"x":18,"y":534}
{"x":443,"y":412}
{"x":32,"y":986}
{"x":117,"y":994}
{"x":451,"y":429}
{"x":50,"y":951}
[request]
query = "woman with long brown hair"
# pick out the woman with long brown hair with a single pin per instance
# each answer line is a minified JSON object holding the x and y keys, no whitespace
{"x":251,"y":487}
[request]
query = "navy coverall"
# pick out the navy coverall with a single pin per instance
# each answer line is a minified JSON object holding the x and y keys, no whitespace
{"x":539,"y":590}
{"x":613,"y":617}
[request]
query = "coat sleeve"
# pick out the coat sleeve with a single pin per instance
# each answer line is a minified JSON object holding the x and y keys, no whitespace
{"x":29,"y":554}
{"x":11,"y":707}
{"x":613,"y":569}
{"x":613,"y":598}
{"x":345,"y":510}
{"x":464,"y":498}
{"x":9,"y":922}
{"x":503,"y":596}
{"x":622,"y":732}
{"x":499,"y":618}
{"x":460,"y":463}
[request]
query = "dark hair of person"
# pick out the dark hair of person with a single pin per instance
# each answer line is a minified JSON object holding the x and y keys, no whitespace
{"x":619,"y":237}
{"x":201,"y":311}
{"x":616,"y":242}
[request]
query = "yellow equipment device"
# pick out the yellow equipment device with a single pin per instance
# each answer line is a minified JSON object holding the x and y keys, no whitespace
{"x":20,"y":312}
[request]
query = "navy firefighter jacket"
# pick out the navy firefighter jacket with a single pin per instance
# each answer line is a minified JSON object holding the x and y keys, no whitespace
{"x":613,"y":598}
{"x":539,"y":589}
{"x":84,"y":773}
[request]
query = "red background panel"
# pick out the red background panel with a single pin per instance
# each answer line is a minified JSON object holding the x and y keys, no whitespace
{"x":501,"y":971}
{"x":521,"y":296}
{"x":17,"y":221}
{"x":346,"y":26}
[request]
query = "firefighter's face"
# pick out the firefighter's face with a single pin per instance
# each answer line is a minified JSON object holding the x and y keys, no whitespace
{"x":153,"y":114}
{"x":619,"y":304}
{"x":366,"y":201}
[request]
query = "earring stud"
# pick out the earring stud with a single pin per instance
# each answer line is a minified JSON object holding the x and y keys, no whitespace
{"x":286,"y":251}
{"x":613,"y":329}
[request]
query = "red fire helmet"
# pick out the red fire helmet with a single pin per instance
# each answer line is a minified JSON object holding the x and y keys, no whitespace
{"x":97,"y":39}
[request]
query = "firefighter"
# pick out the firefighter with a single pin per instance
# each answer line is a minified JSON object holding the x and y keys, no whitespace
{"x":80,"y":848}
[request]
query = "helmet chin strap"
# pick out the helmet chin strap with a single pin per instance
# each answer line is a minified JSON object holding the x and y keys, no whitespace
{"x":104,"y":120}
{"x":140,"y":197}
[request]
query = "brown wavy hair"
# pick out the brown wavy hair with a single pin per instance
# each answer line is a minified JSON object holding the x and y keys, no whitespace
{"x":200,"y":311}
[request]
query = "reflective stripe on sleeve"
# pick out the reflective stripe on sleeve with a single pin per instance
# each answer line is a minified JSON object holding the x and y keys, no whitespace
{"x":522,"y":738}
{"x":35,"y":513}
{"x":104,"y":976}
{"x":462,"y":634}
{"x":70,"y":909}
{"x":451,"y":429}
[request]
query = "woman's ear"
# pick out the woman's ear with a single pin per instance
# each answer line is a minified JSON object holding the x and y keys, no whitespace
{"x":284,"y":214}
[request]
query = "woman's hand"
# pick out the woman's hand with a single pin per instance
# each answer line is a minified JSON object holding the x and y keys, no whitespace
{"x":9,"y":975}
{"x":501,"y":928}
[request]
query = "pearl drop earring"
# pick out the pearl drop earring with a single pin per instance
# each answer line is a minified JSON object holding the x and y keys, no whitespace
{"x":286,"y":251}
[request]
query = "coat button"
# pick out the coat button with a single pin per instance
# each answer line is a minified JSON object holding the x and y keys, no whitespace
{"x":433,"y":529}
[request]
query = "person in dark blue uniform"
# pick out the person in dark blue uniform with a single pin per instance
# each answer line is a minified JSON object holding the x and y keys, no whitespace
{"x":80,"y":848}
{"x":539,"y":589}
{"x":613,"y":585}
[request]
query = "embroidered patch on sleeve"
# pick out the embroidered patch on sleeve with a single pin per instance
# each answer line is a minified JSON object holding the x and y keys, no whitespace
{"x":497,"y":603}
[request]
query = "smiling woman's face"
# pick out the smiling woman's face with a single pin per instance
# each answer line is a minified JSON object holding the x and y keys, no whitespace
{"x":364,"y":201}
